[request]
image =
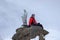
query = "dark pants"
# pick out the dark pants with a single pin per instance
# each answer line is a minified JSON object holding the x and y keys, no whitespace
{"x":38,"y":24}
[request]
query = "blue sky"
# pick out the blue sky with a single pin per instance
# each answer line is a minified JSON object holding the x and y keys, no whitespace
{"x":47,"y":13}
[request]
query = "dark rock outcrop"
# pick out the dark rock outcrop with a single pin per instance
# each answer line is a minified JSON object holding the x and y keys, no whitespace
{"x":29,"y":33}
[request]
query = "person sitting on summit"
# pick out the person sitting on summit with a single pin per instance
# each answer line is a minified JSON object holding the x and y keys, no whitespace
{"x":32,"y":21}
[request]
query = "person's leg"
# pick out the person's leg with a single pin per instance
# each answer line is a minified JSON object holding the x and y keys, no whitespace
{"x":40,"y":25}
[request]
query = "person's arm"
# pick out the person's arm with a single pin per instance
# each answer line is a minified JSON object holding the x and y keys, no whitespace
{"x":30,"y":21}
{"x":35,"y":21}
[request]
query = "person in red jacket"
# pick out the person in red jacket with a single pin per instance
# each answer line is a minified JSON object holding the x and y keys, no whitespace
{"x":32,"y":20}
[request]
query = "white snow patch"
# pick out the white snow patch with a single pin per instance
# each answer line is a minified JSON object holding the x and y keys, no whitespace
{"x":36,"y":38}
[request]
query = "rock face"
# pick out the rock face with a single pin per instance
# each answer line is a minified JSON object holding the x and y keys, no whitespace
{"x":29,"y":33}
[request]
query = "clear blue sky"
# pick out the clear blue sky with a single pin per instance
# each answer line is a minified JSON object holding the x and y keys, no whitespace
{"x":47,"y":13}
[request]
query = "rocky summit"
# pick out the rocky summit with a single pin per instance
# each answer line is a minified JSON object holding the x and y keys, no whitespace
{"x":27,"y":33}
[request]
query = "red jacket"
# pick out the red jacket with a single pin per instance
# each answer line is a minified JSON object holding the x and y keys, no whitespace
{"x":32,"y":21}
